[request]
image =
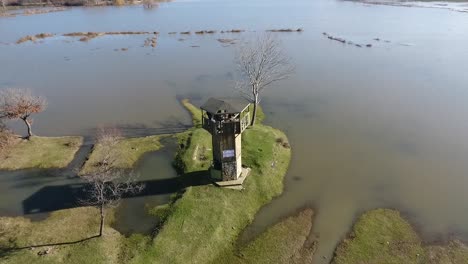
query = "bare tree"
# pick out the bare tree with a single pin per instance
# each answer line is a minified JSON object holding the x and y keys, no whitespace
{"x":4,"y":5}
{"x":107,"y":183}
{"x":21,"y":104}
{"x":261,"y":63}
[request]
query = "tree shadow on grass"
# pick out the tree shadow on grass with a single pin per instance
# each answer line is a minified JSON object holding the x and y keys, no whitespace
{"x":7,"y":251}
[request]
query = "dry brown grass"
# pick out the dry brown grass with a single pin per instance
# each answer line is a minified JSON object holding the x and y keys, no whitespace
{"x":7,"y":139}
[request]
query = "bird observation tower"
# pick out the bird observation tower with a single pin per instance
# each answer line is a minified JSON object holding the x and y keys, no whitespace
{"x":226,"y":119}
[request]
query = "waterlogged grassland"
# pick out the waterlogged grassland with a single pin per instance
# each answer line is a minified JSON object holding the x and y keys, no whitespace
{"x":201,"y":226}
{"x":383,"y":236}
{"x":128,"y":151}
{"x":41,"y":152}
{"x":205,"y":222}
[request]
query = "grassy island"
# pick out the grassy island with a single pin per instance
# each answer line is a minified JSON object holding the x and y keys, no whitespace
{"x":41,"y":152}
{"x":383,"y":236}
{"x":203,"y":224}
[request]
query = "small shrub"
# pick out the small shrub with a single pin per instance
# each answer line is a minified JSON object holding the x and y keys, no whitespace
{"x":6,"y":138}
{"x":119,"y":2}
{"x":71,"y":144}
{"x":283,"y":143}
{"x":133,"y":246}
{"x":161,"y":212}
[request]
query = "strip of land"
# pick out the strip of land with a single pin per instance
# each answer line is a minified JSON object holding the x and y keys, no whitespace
{"x":383,"y":236}
{"x":127,"y":152}
{"x":452,"y":5}
{"x":41,"y":152}
{"x":285,"y":242}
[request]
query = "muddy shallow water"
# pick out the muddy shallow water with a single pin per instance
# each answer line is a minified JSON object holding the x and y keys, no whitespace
{"x":370,"y":127}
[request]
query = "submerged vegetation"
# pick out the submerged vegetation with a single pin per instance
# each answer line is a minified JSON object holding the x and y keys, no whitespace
{"x":87,"y":36}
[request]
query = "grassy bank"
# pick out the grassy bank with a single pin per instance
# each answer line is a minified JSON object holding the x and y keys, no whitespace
{"x":285,"y":242}
{"x":205,"y":222}
{"x":41,"y":152}
{"x":128,"y":151}
{"x":383,"y":236}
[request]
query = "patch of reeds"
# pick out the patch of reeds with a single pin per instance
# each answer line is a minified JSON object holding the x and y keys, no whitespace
{"x":286,"y":30}
{"x":33,"y":38}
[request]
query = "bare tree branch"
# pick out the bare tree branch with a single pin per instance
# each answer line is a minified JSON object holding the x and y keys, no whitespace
{"x":260,"y":64}
{"x":21,"y":104}
{"x":108,"y":183}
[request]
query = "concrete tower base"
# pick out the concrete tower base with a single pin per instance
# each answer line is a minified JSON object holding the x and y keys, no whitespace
{"x":235,"y":184}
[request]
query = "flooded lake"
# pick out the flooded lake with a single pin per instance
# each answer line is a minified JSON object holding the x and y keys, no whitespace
{"x":385,"y":126}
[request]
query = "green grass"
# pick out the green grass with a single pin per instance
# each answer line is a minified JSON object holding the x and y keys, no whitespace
{"x":41,"y":152}
{"x":61,"y":226}
{"x":194,"y":111}
{"x":129,"y":151}
{"x":206,"y":221}
{"x":285,"y":242}
{"x":383,"y":236}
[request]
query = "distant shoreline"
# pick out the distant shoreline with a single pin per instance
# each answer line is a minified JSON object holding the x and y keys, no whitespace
{"x":451,"y":5}
{"x":17,"y":7}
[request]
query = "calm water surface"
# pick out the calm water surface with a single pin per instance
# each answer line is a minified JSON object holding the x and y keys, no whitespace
{"x":374,"y":127}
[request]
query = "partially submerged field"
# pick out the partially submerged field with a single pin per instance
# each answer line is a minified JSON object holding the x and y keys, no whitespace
{"x":201,"y":224}
{"x":41,"y":152}
{"x":383,"y":236}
